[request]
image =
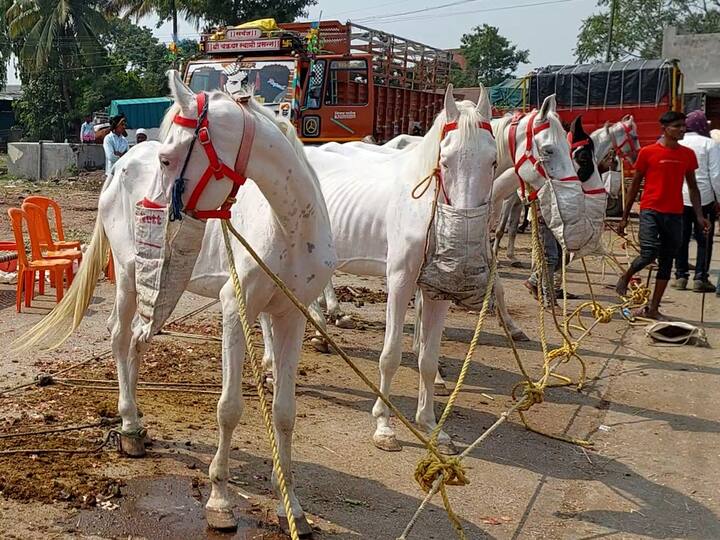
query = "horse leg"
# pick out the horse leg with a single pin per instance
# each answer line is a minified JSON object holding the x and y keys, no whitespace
{"x":440,"y":388}
{"x":342,"y":320}
{"x":219,"y":508}
{"x":400,"y":291}
{"x":431,"y":328}
{"x":500,"y":228}
{"x":268,"y":359}
{"x":515,"y":212}
{"x":290,"y":329}
{"x":515,"y":331}
{"x":318,"y":342}
{"x":128,"y":353}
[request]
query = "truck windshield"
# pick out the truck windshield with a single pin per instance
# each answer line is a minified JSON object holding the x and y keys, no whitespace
{"x":271,"y":79}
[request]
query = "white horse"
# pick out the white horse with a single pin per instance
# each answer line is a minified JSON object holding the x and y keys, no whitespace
{"x":621,"y":137}
{"x":283,"y":215}
{"x":379,"y":229}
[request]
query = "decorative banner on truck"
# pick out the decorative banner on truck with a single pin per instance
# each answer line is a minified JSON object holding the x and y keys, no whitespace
{"x":241,"y":34}
{"x":246,"y":45}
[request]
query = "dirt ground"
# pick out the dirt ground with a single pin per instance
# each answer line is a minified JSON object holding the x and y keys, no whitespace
{"x":651,"y":412}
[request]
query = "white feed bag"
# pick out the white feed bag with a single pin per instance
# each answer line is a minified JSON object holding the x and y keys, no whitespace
{"x":456,"y":261}
{"x":165,"y":255}
{"x":562,"y":205}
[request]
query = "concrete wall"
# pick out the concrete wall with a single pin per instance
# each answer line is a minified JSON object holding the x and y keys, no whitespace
{"x":699,"y":56}
{"x":58,"y":159}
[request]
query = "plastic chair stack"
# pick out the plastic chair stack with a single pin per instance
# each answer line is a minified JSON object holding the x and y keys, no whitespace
{"x":30,"y":269}
{"x":45,"y":204}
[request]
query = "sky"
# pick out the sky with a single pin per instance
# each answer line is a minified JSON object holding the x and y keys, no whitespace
{"x":549,"y":30}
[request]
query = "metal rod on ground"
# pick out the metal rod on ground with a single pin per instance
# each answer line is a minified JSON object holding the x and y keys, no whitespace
{"x":103,"y":355}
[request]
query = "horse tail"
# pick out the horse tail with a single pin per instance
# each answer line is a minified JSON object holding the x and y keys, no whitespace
{"x":59,"y":324}
{"x":418,"y":318}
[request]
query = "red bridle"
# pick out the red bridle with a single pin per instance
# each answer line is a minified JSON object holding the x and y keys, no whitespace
{"x":216,"y":168}
{"x":627,"y":139}
{"x":528,"y":155}
{"x":447,"y":128}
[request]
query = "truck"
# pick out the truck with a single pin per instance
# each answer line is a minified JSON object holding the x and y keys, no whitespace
{"x":600,"y":92}
{"x":334,"y":81}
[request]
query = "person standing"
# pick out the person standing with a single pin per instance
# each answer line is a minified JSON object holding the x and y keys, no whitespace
{"x":707,"y":176}
{"x":87,"y":130}
{"x":115,"y":143}
{"x":664,"y":166}
{"x":140,"y":136}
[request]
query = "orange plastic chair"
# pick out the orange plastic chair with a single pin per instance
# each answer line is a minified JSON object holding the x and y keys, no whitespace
{"x":47,"y":241}
{"x":39,"y":227}
{"x":27,"y":269}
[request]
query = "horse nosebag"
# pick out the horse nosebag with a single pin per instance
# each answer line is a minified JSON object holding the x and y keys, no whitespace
{"x":165,"y":255}
{"x":575,"y":218}
{"x":456,"y":256}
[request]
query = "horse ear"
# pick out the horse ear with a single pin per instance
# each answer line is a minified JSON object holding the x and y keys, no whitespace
{"x":180,"y":92}
{"x":606,"y":124}
{"x":452,"y":113}
{"x":548,"y":106}
{"x":578,"y":131}
{"x":484,"y":107}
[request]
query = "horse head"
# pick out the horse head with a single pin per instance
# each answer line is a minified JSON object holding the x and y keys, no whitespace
{"x":201,"y":167}
{"x":467,"y":153}
{"x":582,"y":150}
{"x":624,"y":138}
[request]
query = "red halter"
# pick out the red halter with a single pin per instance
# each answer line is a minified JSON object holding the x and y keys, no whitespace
{"x":216,"y":167}
{"x":528,"y":154}
{"x":627,"y":139}
{"x":447,"y":128}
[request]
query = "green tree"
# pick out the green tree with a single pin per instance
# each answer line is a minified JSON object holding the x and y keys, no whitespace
{"x":56,"y":35}
{"x":132,"y":64}
{"x":231,"y":12}
{"x":638,"y":26}
{"x":213,"y":12}
{"x":490,"y":58}
{"x":6,"y":48}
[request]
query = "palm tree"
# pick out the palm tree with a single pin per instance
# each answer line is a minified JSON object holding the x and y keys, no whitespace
{"x":55,"y":33}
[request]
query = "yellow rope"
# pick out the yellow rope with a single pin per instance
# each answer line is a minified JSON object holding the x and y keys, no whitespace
{"x":451,"y":472}
{"x":257,"y":373}
{"x":451,"y":469}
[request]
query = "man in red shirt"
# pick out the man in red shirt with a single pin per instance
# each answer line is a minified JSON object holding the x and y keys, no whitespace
{"x":664,"y":166}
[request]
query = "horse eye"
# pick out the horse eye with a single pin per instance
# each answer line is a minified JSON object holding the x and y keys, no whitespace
{"x":165,"y":162}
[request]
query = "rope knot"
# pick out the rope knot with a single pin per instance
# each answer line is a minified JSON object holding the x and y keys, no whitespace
{"x":568,"y":351}
{"x":602,"y":314}
{"x":430,"y":468}
{"x":533,"y":394}
{"x":639,"y":295}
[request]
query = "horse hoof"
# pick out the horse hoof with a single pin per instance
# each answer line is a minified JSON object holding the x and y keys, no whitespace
{"x":516,"y":264}
{"x":304,"y":529}
{"x":448,"y":449}
{"x":441,"y":390}
{"x":221,"y":519}
{"x":320,"y":345}
{"x":132,"y":444}
{"x":519,"y":335}
{"x":388,"y":443}
{"x":345,"y":322}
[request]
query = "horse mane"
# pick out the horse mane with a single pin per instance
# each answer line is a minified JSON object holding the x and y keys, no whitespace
{"x":499,"y":125}
{"x":427,"y":150}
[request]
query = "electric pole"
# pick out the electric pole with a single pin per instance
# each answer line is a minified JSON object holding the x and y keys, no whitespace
{"x":613,"y":10}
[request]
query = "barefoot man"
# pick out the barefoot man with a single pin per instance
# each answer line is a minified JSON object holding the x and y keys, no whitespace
{"x":664,"y":166}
